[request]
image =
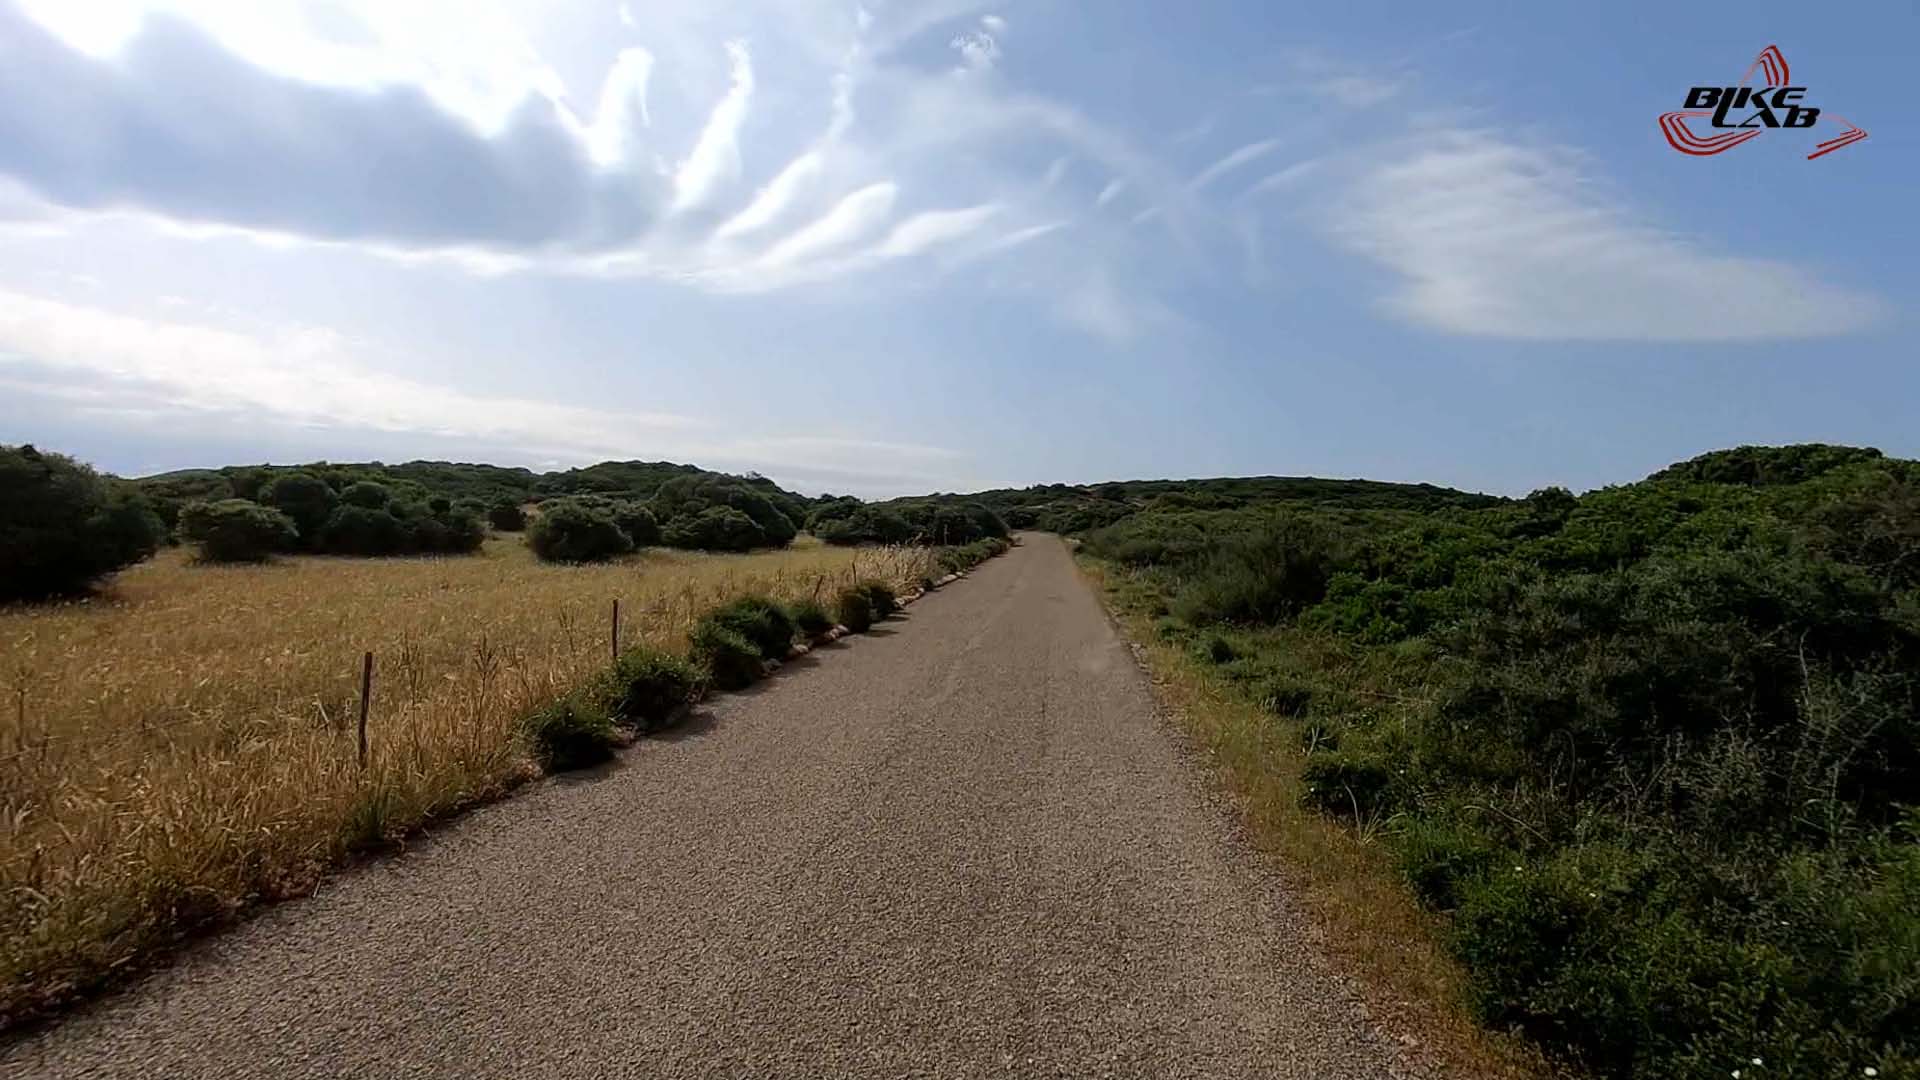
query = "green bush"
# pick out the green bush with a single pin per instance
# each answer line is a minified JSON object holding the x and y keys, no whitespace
{"x":690,"y":509}
{"x":880,"y":598}
{"x":760,"y":620}
{"x":571,"y":531}
{"x":638,"y":523}
{"x":1439,"y":857}
{"x":716,"y":528}
{"x":1349,"y":782}
{"x":64,"y":526}
{"x":573,"y":732}
{"x":507,"y":516}
{"x":235,"y":530}
{"x":356,"y":529}
{"x":848,"y":522}
{"x":729,"y":658}
{"x":648,"y":685}
{"x":854,"y":606}
{"x":1216,"y":649}
{"x":1263,"y":576}
{"x":966,"y":556}
{"x":366,"y":494}
{"x":305,"y":499}
{"x":810,"y":617}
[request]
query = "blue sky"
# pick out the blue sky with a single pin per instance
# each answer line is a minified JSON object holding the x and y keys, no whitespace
{"x":941,"y":245}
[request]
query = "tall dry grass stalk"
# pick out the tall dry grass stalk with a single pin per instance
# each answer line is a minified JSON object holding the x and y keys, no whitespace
{"x":185,"y":745}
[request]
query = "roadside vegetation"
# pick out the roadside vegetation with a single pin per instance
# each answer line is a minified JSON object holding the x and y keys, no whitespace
{"x":1649,"y":755}
{"x":180,"y":735}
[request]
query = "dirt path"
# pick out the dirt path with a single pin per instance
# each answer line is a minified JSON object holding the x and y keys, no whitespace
{"x":961,"y":846}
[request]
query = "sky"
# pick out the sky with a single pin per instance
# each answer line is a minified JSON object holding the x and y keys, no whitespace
{"x":886,"y":247}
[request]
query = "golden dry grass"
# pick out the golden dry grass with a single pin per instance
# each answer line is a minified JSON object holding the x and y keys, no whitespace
{"x":185,"y":745}
{"x":1372,"y":922}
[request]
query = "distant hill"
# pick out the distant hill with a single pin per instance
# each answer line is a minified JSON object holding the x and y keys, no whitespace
{"x":1070,"y":508}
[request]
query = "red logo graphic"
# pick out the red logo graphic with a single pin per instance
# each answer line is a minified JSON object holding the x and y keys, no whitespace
{"x":1775,"y":104}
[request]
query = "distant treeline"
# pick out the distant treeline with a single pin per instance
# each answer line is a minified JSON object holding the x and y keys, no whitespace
{"x":68,"y":526}
{"x":1076,"y":508}
{"x":1654,"y":750}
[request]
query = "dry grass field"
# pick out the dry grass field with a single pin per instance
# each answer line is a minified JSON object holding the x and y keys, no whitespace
{"x":185,"y":744}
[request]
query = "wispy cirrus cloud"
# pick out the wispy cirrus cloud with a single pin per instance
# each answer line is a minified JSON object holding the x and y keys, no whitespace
{"x":1239,"y":158}
{"x":1495,"y":239}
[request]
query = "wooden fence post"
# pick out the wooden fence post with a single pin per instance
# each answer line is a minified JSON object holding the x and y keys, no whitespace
{"x":616,"y":630}
{"x":366,"y":698}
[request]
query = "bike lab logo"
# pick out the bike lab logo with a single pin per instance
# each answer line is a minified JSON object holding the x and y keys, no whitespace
{"x":1745,"y":112}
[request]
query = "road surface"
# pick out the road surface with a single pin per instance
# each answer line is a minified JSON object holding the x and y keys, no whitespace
{"x":962,"y":845}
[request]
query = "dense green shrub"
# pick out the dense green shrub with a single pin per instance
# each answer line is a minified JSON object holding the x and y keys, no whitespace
{"x":568,"y":530}
{"x":1655,"y":748}
{"x":356,"y":529}
{"x":810,"y":617}
{"x":880,"y":598}
{"x":716,"y":528}
{"x":1271,"y":573}
{"x":854,"y":606}
{"x":730,"y":660}
{"x":235,"y":530}
{"x":849,"y":521}
{"x":366,"y":494}
{"x":305,"y":499}
{"x":455,"y":530}
{"x":762,"y":621}
{"x":967,"y":556}
{"x":638,"y":523}
{"x":63,"y":526}
{"x":507,"y":516}
{"x":575,"y":731}
{"x":690,"y":510}
{"x":647,"y":686}
{"x":169,"y":492}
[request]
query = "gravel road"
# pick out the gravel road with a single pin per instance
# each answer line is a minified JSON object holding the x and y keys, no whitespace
{"x":962,"y":845}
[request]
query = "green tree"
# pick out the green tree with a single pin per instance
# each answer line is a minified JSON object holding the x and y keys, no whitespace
{"x":717,"y":528}
{"x":569,"y":530}
{"x":64,"y":526}
{"x":305,"y":499}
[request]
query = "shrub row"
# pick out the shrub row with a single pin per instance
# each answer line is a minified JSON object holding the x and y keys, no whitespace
{"x":728,"y":649}
{"x":926,"y":521}
{"x":966,"y":556}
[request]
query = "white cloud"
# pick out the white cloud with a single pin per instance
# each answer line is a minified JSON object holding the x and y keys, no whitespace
{"x":1355,"y":91}
{"x":850,"y":219}
{"x":685,"y":161}
{"x":774,"y":199}
{"x":1242,"y":156}
{"x":1021,"y":236}
{"x":622,"y":111}
{"x":298,"y":375}
{"x":1287,"y":177}
{"x":922,"y":231}
{"x":1501,"y":240}
{"x":115,"y":364}
{"x":1097,"y":306}
{"x":978,"y":49}
{"x":716,"y":156}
